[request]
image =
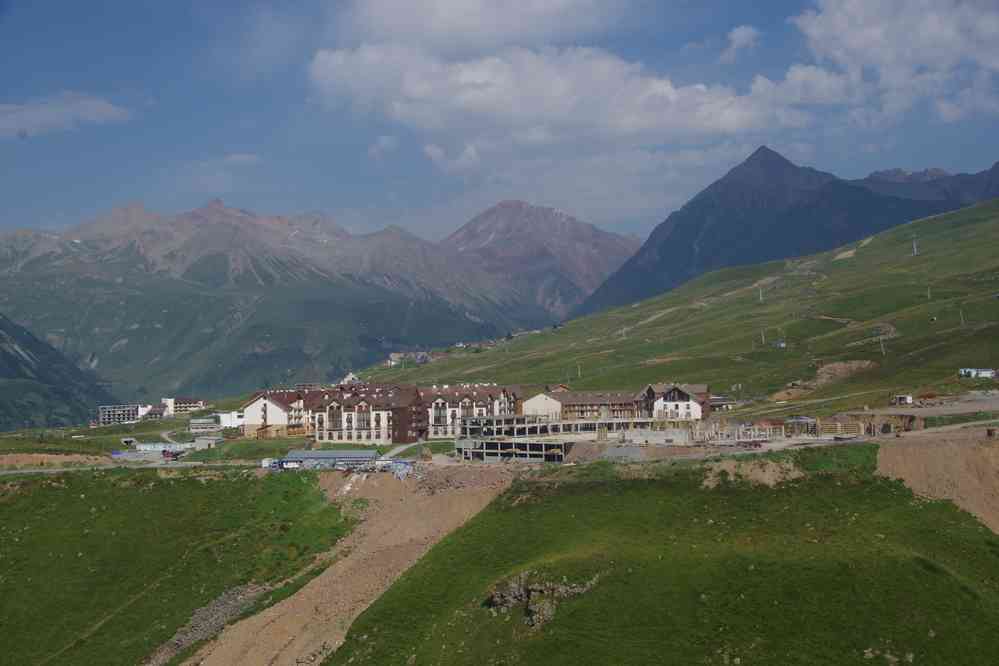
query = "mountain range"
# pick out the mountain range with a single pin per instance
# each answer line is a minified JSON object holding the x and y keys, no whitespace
{"x":768,"y":208}
{"x":857,"y":323}
{"x":220,"y":300}
{"x":39,"y":387}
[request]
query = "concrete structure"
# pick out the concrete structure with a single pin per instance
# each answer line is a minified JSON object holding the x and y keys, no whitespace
{"x":528,"y":426}
{"x":207,"y":442}
{"x":178,"y":406}
{"x":205,"y":425}
{"x":501,"y":450}
{"x":120,"y":414}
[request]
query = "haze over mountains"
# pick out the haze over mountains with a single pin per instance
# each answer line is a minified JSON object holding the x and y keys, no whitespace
{"x":544,"y":252}
{"x":769,"y":208}
{"x":38,"y":385}
{"x":219,"y":299}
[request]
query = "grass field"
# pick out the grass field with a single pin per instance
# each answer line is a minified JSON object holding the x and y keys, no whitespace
{"x":937,"y":312}
{"x":257,"y":449}
{"x":102,"y":568}
{"x":248,"y":449}
{"x":94,"y":441}
{"x":954,"y":419}
{"x":435,"y":448}
{"x":821,"y":570}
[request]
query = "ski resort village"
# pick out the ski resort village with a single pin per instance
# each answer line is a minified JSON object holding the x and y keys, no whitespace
{"x":489,"y":422}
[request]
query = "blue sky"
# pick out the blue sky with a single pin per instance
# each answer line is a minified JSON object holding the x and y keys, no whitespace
{"x":422,"y":113}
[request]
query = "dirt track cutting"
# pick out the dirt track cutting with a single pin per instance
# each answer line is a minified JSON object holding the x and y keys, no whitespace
{"x":402,"y":520}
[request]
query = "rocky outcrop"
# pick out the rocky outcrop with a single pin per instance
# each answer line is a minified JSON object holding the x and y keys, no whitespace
{"x":539,"y":597}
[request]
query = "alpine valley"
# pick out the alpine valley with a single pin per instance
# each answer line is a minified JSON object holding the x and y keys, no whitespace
{"x":220,"y":300}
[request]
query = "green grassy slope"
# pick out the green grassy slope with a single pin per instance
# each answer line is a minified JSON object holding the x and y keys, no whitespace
{"x":38,"y":385}
{"x":194,"y":340}
{"x":816,"y":571}
{"x":827,"y":309}
{"x":91,"y":441}
{"x":102,"y":568}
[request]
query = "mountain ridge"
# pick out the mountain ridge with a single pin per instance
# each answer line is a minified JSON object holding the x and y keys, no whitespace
{"x":768,"y":208}
{"x":39,"y":387}
{"x":220,"y":300}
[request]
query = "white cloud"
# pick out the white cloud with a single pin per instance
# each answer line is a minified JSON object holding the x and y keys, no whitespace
{"x":909,"y":50}
{"x":382,"y":146}
{"x":808,"y":85}
{"x":466,"y":159}
{"x":532,"y":96}
{"x":63,"y":112}
{"x":456,"y":26}
{"x":740,"y":38}
{"x":511,"y":86}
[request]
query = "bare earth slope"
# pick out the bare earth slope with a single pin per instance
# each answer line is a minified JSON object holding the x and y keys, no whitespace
{"x":402,"y":521}
{"x":960,"y":465}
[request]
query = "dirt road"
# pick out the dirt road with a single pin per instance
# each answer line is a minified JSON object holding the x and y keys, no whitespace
{"x":403,"y":519}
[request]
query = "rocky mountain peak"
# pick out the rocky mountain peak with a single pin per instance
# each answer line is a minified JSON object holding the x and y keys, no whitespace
{"x":904,"y":176}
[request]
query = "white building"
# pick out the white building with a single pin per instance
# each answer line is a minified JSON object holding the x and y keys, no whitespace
{"x":543,"y":405}
{"x":177,"y":406}
{"x":680,"y":402}
{"x":977,"y":373}
{"x":268,"y":411}
{"x":584,"y":405}
{"x":446,"y":405}
{"x":233,"y":419}
{"x":121,"y":414}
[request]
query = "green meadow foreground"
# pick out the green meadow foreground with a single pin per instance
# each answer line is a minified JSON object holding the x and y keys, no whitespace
{"x":595,"y":566}
{"x":104,"y":567}
{"x":802,"y":557}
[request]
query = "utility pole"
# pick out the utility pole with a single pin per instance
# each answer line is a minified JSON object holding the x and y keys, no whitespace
{"x":962,"y":317}
{"x":883,"y":352}
{"x":761,"y":294}
{"x":579,"y":370}
{"x":763,"y":337}
{"x":915,"y":247}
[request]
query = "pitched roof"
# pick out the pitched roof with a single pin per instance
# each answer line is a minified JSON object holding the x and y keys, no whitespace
{"x":457,"y":392}
{"x":689,"y":389}
{"x":592,"y":397}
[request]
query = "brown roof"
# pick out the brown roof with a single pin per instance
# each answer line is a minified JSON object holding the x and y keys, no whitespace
{"x":458,"y":392}
{"x":379,"y":397}
{"x":689,"y":389}
{"x":593,"y":397}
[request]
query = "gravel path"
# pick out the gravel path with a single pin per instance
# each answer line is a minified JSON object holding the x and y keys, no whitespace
{"x":402,"y":521}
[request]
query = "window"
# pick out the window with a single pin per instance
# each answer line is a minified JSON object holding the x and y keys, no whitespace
{"x":378,"y":421}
